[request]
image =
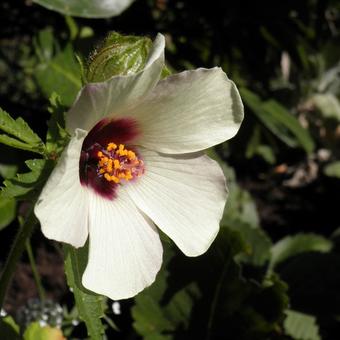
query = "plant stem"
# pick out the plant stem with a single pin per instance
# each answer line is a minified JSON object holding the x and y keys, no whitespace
{"x":35,"y":272}
{"x":15,"y":253}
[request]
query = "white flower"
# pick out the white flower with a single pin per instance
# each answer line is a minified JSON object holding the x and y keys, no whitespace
{"x":135,"y":161}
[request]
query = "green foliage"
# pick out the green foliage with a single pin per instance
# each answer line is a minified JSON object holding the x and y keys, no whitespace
{"x":57,"y":136}
{"x":297,"y":244}
{"x":332,"y":169}
{"x":9,"y":330}
{"x":119,"y":55}
{"x":279,"y":121}
{"x":23,"y":137}
{"x":58,"y":70}
{"x":301,"y":326}
{"x":208,"y":297}
{"x":7,"y":211}
{"x":89,"y":305}
{"x":29,"y":182}
{"x":86,"y":8}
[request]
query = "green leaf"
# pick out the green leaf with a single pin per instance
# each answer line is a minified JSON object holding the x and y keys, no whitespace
{"x":257,"y":243}
{"x":332,"y":169}
{"x":57,"y":136}
{"x":7,"y":211}
{"x":301,"y":326}
{"x":205,"y":297}
{"x":8,"y":170}
{"x":24,"y":139}
{"x":36,"y":332}
{"x":89,"y":305}
{"x":60,"y":74}
{"x":240,"y":205}
{"x":119,"y":55}
{"x":297,"y":244}
{"x":9,"y":330}
{"x":27,"y":183}
{"x":86,"y":8}
{"x":328,"y":105}
{"x":153,"y":320}
{"x":279,"y":121}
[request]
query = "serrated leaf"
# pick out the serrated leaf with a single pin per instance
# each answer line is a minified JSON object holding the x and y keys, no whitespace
{"x":89,"y":305}
{"x":301,"y":326}
{"x":258,"y":244}
{"x":332,"y":169}
{"x":24,"y":139}
{"x":7,"y":211}
{"x":86,"y":8}
{"x":29,"y":182}
{"x":18,"y":128}
{"x":14,"y":143}
{"x":57,"y":136}
{"x":279,"y":121}
{"x":297,"y":244}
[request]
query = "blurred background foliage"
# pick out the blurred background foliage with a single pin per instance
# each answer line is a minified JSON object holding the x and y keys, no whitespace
{"x":274,"y":270}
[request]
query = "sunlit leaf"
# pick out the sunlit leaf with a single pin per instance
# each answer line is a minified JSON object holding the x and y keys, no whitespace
{"x":301,"y":326}
{"x":30,"y":182}
{"x":332,"y":169}
{"x":297,"y":244}
{"x":328,"y":105}
{"x":87,"y":8}
{"x":20,"y":135}
{"x":279,"y":121}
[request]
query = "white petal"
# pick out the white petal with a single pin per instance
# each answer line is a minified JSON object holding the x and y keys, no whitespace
{"x":190,"y":111}
{"x":62,"y":207}
{"x":184,"y":195}
{"x":99,"y":100}
{"x":125,"y":251}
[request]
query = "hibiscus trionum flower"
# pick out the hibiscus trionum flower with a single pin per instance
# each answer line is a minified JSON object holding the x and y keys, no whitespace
{"x":135,"y":162}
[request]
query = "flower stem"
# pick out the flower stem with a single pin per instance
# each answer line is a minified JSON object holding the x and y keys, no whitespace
{"x":15,"y":253}
{"x":35,"y":272}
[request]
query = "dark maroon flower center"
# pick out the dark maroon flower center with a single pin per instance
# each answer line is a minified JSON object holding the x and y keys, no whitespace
{"x":105,"y":161}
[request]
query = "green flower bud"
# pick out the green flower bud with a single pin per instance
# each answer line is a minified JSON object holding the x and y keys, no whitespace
{"x":119,"y":55}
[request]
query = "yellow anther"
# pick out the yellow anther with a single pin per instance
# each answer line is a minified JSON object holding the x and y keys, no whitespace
{"x":115,"y":179}
{"x":109,"y":165}
{"x":111,"y":146}
{"x":107,"y":177}
{"x":131,"y":155}
{"x":116,"y":164}
{"x":128,"y":175}
{"x":119,"y":164}
{"x":121,"y":175}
